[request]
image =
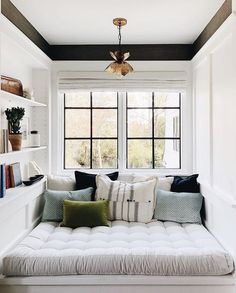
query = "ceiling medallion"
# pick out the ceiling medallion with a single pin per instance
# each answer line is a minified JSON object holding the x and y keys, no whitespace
{"x":120,"y":66}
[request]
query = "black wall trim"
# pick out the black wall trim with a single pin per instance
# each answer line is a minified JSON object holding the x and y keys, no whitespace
{"x":219,"y":18}
{"x":138,"y":52}
{"x":147,"y":52}
{"x":18,"y":19}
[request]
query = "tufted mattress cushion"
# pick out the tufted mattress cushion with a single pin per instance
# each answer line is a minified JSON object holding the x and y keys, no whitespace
{"x":156,"y":248}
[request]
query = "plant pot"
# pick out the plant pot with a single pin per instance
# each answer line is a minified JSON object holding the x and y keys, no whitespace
{"x":16,"y":141}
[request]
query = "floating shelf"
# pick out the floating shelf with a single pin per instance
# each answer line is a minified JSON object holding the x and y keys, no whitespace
{"x":24,"y":150}
{"x":15,"y":192}
{"x":19,"y":100}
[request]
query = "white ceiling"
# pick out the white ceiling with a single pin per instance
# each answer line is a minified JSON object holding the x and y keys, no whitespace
{"x":90,"y":21}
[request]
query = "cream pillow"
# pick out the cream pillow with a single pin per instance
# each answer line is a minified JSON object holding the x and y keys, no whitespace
{"x":132,"y":202}
{"x":164,"y":183}
{"x":61,"y":183}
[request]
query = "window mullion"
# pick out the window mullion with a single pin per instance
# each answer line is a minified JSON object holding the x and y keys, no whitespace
{"x":121,"y":131}
{"x":153,"y":134}
{"x":91,"y":131}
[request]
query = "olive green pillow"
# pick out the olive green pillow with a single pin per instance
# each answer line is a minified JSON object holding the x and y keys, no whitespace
{"x":85,"y":213}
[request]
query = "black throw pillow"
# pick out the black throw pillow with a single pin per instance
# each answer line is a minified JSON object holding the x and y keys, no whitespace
{"x":186,"y":184}
{"x":89,"y":180}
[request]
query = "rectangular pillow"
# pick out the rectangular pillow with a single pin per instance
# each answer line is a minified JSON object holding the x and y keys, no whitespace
{"x":180,"y":207}
{"x":56,"y":182}
{"x":85,"y":214}
{"x":164,"y":183}
{"x":53,"y":207}
{"x":185,"y":184}
{"x":85,"y":180}
{"x":132,"y":202}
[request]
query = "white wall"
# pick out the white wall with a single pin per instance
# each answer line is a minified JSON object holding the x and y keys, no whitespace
{"x":140,"y":67}
{"x":214,"y":92}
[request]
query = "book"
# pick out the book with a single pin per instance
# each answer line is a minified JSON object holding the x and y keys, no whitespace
{"x":8,"y":176}
{"x":15,"y":174}
{"x":4,"y":137}
{"x":2,"y":181}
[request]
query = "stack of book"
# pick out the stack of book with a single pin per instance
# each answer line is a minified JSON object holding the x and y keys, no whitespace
{"x":4,"y":141}
{"x":10,"y":176}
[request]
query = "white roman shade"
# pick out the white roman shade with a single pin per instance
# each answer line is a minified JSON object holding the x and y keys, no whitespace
{"x":136,"y":81}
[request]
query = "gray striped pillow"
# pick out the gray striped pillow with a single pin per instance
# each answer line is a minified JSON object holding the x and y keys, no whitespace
{"x":132,"y":202}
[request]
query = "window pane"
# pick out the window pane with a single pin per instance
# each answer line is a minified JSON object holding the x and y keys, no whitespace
{"x":166,"y":100}
{"x":104,"y":123}
{"x":104,"y":99}
{"x":139,"y":153}
{"x":167,"y":152}
{"x":77,"y":153}
{"x":139,"y":100}
{"x":166,"y":122}
{"x":105,"y":153}
{"x":77,"y":99}
{"x":77,"y":123}
{"x":140,"y":123}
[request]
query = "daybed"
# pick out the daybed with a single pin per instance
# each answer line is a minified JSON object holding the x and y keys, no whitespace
{"x":161,"y":257}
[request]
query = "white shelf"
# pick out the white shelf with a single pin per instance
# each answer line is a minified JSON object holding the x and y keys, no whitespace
{"x":13,"y":193}
{"x":20,"y":100}
{"x":22,"y":151}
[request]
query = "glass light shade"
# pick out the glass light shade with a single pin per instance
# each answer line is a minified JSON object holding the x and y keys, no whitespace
{"x":120,"y":69}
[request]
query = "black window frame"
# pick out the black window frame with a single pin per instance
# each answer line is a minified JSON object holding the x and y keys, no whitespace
{"x":91,"y":138}
{"x":153,"y":138}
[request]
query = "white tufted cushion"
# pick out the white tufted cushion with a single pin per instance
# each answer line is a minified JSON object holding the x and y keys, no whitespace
{"x":156,"y":248}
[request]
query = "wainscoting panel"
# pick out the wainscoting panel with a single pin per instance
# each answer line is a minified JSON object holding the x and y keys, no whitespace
{"x":214,"y":78}
{"x":224,"y":117}
{"x":202,"y":111}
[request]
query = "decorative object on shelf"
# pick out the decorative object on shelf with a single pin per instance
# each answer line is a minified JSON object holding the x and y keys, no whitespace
{"x":28,"y":94}
{"x":15,"y":174}
{"x":34,"y":169}
{"x":14,"y":116}
{"x":120,"y":66}
{"x":2,"y":181}
{"x":25,"y":132}
{"x":33,"y":180}
{"x":34,"y":138}
{"x":11,"y":85}
{"x":4,"y":138}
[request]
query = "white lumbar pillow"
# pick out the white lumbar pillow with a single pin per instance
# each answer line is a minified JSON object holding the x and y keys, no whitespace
{"x":62,"y":183}
{"x":132,"y":202}
{"x":164,"y":183}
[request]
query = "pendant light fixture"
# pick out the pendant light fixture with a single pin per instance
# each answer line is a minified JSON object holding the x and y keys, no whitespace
{"x":120,"y":66}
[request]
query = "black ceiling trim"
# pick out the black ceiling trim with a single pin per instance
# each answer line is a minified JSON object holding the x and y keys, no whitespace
{"x":138,"y":52}
{"x":147,"y":52}
{"x":218,"y":19}
{"x":18,"y":19}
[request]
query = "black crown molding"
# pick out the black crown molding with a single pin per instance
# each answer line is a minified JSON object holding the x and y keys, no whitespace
{"x":138,"y":52}
{"x":18,"y":19}
{"x":145,"y":52}
{"x":218,"y":19}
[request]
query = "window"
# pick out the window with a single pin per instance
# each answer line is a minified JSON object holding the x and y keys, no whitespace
{"x":90,"y":130}
{"x":153,"y":130}
{"x":152,"y":139}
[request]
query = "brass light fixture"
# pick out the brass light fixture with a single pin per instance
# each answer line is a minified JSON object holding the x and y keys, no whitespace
{"x":120,"y":66}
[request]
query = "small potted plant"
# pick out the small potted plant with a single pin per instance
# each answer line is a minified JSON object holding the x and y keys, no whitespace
{"x":14,"y":116}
